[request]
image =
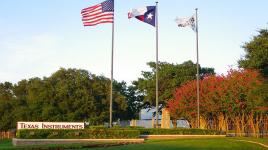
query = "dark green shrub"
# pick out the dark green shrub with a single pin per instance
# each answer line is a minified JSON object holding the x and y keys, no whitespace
{"x":180,"y":131}
{"x":77,"y":134}
{"x":110,"y":133}
{"x":96,"y":127}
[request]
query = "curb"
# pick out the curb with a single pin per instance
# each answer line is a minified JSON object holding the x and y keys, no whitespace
{"x":178,"y":136}
{"x":266,"y":146}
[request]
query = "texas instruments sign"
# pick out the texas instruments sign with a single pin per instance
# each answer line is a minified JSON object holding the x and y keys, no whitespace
{"x":50,"y":125}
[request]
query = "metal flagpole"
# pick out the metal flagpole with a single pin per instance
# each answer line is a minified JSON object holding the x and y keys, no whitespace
{"x":112,"y":71}
{"x":197,"y":69}
{"x":156,"y":70}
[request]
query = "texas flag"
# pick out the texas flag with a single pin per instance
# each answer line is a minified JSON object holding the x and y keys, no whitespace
{"x":145,"y":14}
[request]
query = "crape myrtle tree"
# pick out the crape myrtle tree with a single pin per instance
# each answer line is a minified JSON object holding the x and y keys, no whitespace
{"x":224,"y":99}
{"x":67,"y":95}
{"x":170,"y":76}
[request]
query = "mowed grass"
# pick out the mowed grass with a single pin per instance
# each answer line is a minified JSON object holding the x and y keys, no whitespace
{"x":5,"y":144}
{"x":260,"y":140}
{"x":175,"y":144}
{"x":190,"y":144}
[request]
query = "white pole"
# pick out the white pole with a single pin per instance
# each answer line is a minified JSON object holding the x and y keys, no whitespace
{"x":156,"y":72}
{"x":112,"y":66}
{"x":197,"y":70}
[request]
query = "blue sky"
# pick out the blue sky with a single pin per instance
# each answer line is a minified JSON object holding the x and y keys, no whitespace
{"x":39,"y":37}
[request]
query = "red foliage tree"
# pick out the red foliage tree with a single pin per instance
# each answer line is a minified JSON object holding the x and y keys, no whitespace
{"x":229,"y":94}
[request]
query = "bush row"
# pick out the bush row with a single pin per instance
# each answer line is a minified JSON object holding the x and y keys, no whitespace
{"x":77,"y":134}
{"x":110,"y":133}
{"x":160,"y":131}
{"x":180,"y":131}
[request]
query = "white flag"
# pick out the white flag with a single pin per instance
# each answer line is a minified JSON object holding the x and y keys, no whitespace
{"x":137,"y":12}
{"x":189,"y":21}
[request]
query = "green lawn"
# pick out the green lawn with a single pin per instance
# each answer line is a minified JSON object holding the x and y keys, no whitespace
{"x":189,"y":144}
{"x":260,"y":140}
{"x":7,"y":145}
{"x":185,"y":144}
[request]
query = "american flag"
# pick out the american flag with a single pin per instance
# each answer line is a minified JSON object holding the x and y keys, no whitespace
{"x":100,"y":13}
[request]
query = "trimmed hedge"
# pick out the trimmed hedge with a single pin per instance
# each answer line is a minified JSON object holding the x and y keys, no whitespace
{"x":179,"y":131}
{"x":116,"y":127}
{"x":77,"y":134}
{"x":109,"y":133}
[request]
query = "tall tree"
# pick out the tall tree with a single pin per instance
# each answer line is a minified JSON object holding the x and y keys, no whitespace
{"x":6,"y":106}
{"x":171,"y":76}
{"x":67,"y":95}
{"x":256,"y":57}
{"x":256,"y":53}
{"x":232,"y":97}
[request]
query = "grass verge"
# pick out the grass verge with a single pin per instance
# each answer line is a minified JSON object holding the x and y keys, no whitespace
{"x":174,"y":144}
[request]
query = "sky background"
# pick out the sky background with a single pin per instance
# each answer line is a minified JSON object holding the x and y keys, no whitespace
{"x":38,"y":37}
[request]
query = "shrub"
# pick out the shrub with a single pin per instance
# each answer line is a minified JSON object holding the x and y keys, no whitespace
{"x":109,"y":133}
{"x":180,"y":131}
{"x":77,"y":134}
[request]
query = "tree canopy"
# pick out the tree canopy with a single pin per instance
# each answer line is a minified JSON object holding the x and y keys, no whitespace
{"x":256,"y":56}
{"x":223,"y":98}
{"x":67,"y":95}
{"x":171,"y":76}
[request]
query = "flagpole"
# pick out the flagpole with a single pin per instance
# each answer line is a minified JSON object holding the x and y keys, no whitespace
{"x":112,"y":71}
{"x":197,"y":70}
{"x":156,"y":70}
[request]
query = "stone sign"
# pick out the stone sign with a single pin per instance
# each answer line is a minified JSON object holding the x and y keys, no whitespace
{"x":165,"y":122}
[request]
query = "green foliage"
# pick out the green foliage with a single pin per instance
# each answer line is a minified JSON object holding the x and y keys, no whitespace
{"x":77,"y":134}
{"x":99,"y":132}
{"x":256,"y":57}
{"x":256,"y":53}
{"x":6,"y":106}
{"x":67,"y":95}
{"x":171,"y":76}
{"x":179,"y":131}
{"x":134,"y":103}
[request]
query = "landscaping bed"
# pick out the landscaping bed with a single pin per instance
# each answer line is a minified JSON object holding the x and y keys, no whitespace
{"x":106,"y":135}
{"x":109,"y":133}
{"x":78,"y":134}
{"x":179,"y":131}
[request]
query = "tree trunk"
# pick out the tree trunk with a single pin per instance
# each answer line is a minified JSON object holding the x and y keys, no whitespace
{"x":222,"y":125}
{"x":257,"y":125}
{"x":192,"y":123}
{"x":174,"y":123}
{"x":203,"y":122}
{"x":251,"y":124}
{"x":243,"y":124}
{"x":237,"y":126}
{"x":265,"y":124}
